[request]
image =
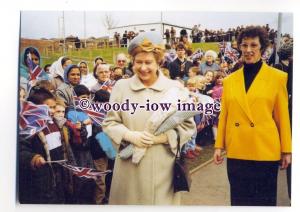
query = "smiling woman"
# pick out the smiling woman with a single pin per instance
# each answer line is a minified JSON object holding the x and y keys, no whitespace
{"x":150,"y":181}
{"x":258,"y":110}
{"x":72,"y":77}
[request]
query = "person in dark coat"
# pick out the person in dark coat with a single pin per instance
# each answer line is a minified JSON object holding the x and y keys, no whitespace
{"x":41,"y":182}
{"x":179,"y":68}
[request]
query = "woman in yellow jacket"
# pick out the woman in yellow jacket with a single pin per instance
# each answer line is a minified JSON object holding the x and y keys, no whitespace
{"x":254,"y":126}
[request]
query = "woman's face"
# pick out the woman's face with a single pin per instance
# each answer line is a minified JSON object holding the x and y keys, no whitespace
{"x":35,"y":59}
{"x":146,"y":67}
{"x":250,"y":48}
{"x":67,"y":62}
{"x":185,"y":39}
{"x":103,"y":74}
{"x":83,"y":69}
{"x":121,"y":61}
{"x":209,"y":59}
{"x":74,"y":76}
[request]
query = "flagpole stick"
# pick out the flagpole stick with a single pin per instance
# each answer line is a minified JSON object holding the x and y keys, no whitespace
{"x":56,"y":161}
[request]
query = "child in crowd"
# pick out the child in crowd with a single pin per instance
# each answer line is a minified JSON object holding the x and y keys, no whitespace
{"x":22,"y":94}
{"x":216,"y":95}
{"x":40,"y":181}
{"x":84,"y":187}
{"x":200,"y":84}
{"x":193,"y":72}
{"x":209,"y":82}
{"x":64,"y":126}
{"x":117,"y":73}
{"x":47,"y":85}
{"x":103,"y":153}
{"x":190,"y":151}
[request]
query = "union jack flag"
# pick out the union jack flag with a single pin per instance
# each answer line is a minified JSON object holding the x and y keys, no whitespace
{"x":96,"y":114}
{"x":85,"y":172}
{"x":34,"y":70}
{"x":108,"y":85}
{"x":33,"y":118}
{"x":231,"y":54}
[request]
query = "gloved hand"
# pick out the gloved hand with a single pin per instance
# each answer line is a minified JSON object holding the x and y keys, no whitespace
{"x":158,"y":139}
{"x":138,"y":138}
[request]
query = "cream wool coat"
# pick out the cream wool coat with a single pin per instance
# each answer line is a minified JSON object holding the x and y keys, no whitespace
{"x":150,"y":181}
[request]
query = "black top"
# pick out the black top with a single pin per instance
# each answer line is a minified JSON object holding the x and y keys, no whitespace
{"x":250,"y":72}
{"x":175,"y":68}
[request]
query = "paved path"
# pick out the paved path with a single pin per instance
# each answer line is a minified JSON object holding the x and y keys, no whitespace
{"x":210,"y":187}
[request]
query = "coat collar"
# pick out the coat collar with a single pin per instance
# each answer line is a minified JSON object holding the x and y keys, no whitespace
{"x":259,"y":84}
{"x":159,"y":84}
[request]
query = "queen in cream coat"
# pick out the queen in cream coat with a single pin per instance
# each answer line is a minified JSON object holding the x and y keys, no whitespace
{"x":150,"y":181}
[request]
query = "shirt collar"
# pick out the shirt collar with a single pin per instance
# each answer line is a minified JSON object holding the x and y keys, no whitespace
{"x":136,"y":84}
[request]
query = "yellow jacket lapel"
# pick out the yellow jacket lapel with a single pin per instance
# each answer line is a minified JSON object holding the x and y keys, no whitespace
{"x":240,"y":93}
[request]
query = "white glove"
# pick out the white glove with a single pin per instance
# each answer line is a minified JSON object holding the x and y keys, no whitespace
{"x":139,"y":139}
{"x":158,"y":139}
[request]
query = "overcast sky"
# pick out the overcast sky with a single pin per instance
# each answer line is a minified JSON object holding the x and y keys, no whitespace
{"x":38,"y":24}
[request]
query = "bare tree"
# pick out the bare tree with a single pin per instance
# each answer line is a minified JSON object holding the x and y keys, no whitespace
{"x":109,"y":21}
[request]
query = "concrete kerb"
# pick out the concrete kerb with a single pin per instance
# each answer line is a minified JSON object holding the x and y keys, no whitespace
{"x":201,"y":166}
{"x":204,"y":164}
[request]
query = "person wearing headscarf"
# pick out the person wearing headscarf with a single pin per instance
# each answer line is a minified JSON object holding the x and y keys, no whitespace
{"x":57,"y":70}
{"x":87,"y":78}
{"x":150,"y":181}
{"x":25,"y":76}
{"x":72,"y":78}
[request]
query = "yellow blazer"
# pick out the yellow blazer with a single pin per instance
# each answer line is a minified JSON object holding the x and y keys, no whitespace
{"x":255,"y":125}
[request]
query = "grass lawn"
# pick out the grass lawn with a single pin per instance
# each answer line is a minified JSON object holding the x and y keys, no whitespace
{"x":109,"y":54}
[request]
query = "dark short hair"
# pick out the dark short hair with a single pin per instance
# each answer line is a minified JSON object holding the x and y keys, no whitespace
{"x":252,"y":32}
{"x":101,"y":96}
{"x":46,"y":66}
{"x":180,"y":46}
{"x":98,"y":58}
{"x":39,"y":95}
{"x":81,"y":90}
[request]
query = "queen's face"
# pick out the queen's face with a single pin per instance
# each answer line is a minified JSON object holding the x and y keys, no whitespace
{"x":146,"y":67}
{"x":250,"y":48}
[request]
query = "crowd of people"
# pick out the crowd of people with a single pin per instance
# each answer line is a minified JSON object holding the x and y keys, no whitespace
{"x":73,"y":135}
{"x":206,"y":35}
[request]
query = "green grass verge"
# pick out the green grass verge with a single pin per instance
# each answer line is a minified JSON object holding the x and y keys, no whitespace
{"x":109,"y":54}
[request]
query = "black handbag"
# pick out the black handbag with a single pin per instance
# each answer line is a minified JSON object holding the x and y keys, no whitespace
{"x":181,"y":175}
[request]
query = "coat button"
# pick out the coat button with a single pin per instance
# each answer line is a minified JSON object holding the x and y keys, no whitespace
{"x":252,"y":125}
{"x":237,"y":124}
